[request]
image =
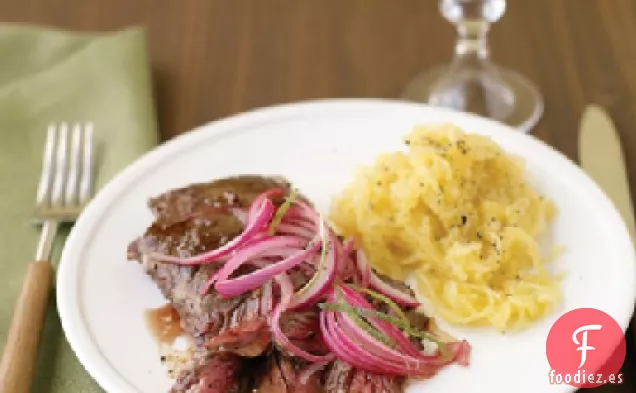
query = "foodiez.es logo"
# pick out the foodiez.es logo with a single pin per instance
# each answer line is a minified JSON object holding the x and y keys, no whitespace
{"x":585,"y":348}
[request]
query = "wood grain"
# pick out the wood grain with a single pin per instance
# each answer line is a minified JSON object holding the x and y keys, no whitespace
{"x":20,"y":353}
{"x":213,"y":58}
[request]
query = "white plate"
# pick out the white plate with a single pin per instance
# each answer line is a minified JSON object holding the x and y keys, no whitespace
{"x":317,"y":145}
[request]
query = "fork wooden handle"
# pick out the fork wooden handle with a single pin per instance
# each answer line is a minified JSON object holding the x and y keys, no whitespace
{"x":21,"y":350}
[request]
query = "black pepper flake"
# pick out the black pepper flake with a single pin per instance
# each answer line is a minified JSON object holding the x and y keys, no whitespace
{"x":479,"y":235}
{"x":407,"y":142}
{"x":163,"y":359}
{"x":461,"y":146}
{"x":464,"y":220}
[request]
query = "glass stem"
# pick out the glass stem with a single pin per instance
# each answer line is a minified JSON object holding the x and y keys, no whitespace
{"x":472,"y":43}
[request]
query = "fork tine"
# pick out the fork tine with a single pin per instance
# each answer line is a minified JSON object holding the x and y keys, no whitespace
{"x":70,"y":197}
{"x":60,"y":171}
{"x":47,"y":166}
{"x":86,"y":184}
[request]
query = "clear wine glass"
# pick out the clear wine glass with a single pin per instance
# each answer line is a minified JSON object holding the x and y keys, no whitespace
{"x":471,"y":82}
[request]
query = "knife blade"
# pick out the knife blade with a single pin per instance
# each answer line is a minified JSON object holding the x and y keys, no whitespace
{"x":601,"y":156}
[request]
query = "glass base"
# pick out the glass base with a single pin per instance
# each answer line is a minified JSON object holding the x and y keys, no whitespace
{"x":489,"y":91}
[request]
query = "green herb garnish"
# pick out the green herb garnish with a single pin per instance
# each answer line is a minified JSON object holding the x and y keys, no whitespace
{"x":282,"y":209}
{"x":404,"y":326}
{"x":358,"y":320}
{"x":384,"y":299}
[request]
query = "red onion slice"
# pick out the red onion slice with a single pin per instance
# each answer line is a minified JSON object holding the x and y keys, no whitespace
{"x":320,"y":283}
{"x":372,"y":345}
{"x":300,"y":222}
{"x":276,"y":246}
{"x":382,"y":287}
{"x":461,"y":352}
{"x":291,"y":229}
{"x":363,"y":269}
{"x":246,"y":282}
{"x":392,"y":332}
{"x":394,"y":294}
{"x":266,"y":247}
{"x":352,"y":353}
{"x":252,"y":213}
{"x":406,"y":365}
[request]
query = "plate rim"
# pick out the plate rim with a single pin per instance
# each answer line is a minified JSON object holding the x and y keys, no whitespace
{"x":68,"y":308}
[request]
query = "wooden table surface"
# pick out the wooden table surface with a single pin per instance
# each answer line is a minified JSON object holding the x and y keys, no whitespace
{"x":213,"y":58}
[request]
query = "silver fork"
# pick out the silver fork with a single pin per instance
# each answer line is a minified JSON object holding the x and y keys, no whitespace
{"x":65,"y":188}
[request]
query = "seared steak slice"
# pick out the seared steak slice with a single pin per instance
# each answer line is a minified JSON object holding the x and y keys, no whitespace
{"x":220,"y":195}
{"x":366,"y":382}
{"x":338,"y":377}
{"x":343,"y":378}
{"x":245,"y":331}
{"x":215,"y":374}
{"x":182,"y":284}
{"x":283,"y":375}
{"x":189,"y":221}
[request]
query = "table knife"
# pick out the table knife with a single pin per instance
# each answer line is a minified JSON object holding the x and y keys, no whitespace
{"x":601,"y":156}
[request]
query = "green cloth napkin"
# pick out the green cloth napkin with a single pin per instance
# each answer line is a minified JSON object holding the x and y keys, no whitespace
{"x":50,"y":76}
